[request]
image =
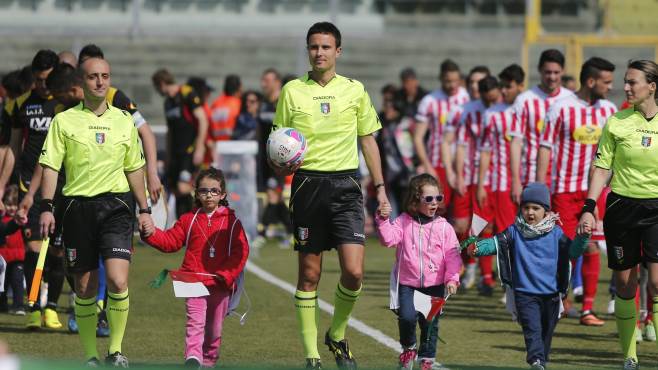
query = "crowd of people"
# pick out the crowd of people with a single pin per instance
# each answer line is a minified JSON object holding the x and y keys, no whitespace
{"x":533,"y":162}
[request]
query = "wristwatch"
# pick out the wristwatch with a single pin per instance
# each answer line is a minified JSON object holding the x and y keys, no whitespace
{"x":145,"y":210}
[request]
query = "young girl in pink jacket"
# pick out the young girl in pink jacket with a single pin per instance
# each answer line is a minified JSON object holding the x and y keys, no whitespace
{"x":427,"y":260}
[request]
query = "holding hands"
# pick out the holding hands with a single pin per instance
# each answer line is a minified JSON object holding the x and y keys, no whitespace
{"x":146,"y":226}
{"x":451,"y":287}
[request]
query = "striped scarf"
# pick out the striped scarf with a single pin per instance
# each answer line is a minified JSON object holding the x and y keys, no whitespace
{"x":533,"y":231}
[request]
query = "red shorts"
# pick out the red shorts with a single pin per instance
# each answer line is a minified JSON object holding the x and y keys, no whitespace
{"x":505,"y":210}
{"x":488,"y":211}
{"x":462,"y":206}
{"x":443,"y":180}
{"x":569,"y":205}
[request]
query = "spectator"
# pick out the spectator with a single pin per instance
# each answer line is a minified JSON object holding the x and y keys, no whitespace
{"x":225,"y":109}
{"x":409,"y":95}
{"x":247,"y":123}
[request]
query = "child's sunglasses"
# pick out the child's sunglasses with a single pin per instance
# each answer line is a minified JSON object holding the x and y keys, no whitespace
{"x":430,"y":199}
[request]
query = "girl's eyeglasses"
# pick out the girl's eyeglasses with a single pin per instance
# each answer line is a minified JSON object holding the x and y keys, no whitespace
{"x":430,"y":199}
{"x":212,"y":191}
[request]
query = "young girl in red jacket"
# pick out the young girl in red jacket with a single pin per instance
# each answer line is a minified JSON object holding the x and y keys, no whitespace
{"x":216,"y":252}
{"x":12,"y":250}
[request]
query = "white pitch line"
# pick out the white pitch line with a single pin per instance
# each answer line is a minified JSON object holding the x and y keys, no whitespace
{"x":357,"y":325}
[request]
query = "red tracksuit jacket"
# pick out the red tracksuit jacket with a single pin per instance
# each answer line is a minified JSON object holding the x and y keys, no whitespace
{"x":12,"y":248}
{"x":205,"y":233}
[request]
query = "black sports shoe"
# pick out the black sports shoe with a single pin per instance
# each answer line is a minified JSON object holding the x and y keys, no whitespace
{"x":341,"y":352}
{"x":117,"y":359}
{"x":93,"y":362}
{"x":192,"y":363}
{"x":313,"y":363}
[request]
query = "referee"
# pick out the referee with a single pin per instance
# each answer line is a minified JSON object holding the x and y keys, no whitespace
{"x":334,"y":113}
{"x":628,"y":148}
{"x":98,"y":147}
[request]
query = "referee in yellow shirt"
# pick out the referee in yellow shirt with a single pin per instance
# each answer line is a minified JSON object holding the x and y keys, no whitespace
{"x":628,"y":150}
{"x":97,"y":145}
{"x":334,"y":113}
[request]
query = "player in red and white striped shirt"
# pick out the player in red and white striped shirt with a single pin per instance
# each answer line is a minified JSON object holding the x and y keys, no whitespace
{"x":500,"y":126}
{"x":531,"y":107}
{"x":433,"y":116}
{"x":469,"y":136}
{"x":573,"y":128}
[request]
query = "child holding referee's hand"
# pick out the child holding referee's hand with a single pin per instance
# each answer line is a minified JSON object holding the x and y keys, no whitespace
{"x":534,"y":263}
{"x":216,"y":254}
{"x":427,"y":260}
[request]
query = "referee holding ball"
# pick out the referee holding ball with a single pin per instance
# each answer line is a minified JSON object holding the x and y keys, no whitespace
{"x":97,"y":145}
{"x":628,"y":150}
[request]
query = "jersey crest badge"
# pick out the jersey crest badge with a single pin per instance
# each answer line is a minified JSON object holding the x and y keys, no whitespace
{"x":325,"y":108}
{"x":100,"y":137}
{"x":646,"y":141}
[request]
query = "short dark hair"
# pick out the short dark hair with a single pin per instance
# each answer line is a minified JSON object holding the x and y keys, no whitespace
{"x":487,"y":84}
{"x":324,"y":27}
{"x":90,"y":51}
{"x":512,"y":72}
{"x":272,"y":71}
{"x":163,"y":75}
{"x":26,"y":77}
{"x":44,"y":60}
{"x":478,"y":69}
{"x":12,"y":83}
{"x":593,"y":67}
{"x":567,"y":78}
{"x":448,"y":65}
{"x":63,"y":78}
{"x":408,"y":73}
{"x":551,"y":56}
{"x":232,"y":84}
{"x":649,"y":68}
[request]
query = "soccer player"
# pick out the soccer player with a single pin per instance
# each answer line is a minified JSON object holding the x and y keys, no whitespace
{"x":531,"y":107}
{"x":270,"y":84}
{"x":226,"y":109}
{"x":628,"y":149}
{"x":573,"y":128}
{"x":433,"y":116}
{"x":500,"y":126}
{"x":31,"y":118}
{"x":98,"y":147}
{"x":469,"y":134}
{"x":333,"y":113}
{"x":119,"y":99}
{"x":187,"y":129}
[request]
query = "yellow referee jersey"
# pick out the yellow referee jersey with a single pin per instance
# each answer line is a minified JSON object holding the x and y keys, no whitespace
{"x":95,"y":150}
{"x":330,"y":118}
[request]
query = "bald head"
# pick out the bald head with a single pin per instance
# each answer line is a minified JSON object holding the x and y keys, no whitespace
{"x":96,"y":73}
{"x":68,"y":58}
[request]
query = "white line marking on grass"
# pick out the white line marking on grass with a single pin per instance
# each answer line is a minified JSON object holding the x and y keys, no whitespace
{"x":357,"y":325}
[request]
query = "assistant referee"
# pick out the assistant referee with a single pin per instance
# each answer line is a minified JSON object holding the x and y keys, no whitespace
{"x":99,"y":149}
{"x":628,"y":149}
{"x":334,"y":113}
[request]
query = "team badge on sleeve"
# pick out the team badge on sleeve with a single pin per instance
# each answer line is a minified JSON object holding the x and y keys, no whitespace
{"x":325,"y":108}
{"x":100,"y":137}
{"x":646,"y":141}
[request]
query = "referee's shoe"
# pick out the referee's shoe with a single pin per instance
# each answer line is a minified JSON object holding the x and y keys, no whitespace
{"x":117,"y":359}
{"x":341,"y":352}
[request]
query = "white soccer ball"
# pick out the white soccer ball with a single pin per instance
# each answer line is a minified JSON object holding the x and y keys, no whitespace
{"x":286,"y":146}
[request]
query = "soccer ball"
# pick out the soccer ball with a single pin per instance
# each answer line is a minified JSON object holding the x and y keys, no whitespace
{"x":286,"y":146}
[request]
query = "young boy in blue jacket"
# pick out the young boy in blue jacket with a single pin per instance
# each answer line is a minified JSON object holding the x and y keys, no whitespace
{"x":534,"y":263}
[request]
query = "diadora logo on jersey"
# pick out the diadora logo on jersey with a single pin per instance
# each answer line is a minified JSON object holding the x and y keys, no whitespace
{"x":40,"y":123}
{"x":646,"y":141}
{"x":325,"y":108}
{"x":588,"y":135}
{"x":100,"y":137}
{"x":328,"y":97}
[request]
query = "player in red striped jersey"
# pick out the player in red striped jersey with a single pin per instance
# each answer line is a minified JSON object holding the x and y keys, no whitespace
{"x":469,"y":135}
{"x":573,"y":128}
{"x":531,"y":107}
{"x":433,"y":115}
{"x":500,"y":126}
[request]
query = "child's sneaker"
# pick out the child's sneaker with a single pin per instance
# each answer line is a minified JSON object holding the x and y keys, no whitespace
{"x":192,"y":363}
{"x":650,"y":332}
{"x":537,"y":365}
{"x":638,"y":334}
{"x":407,"y":358}
{"x":469,"y":276}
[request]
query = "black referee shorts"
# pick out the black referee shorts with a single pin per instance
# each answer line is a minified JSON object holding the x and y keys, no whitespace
{"x":631,"y":231}
{"x":327,"y":210}
{"x":97,"y":226}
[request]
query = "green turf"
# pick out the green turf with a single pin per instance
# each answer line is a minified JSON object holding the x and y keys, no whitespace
{"x":478,"y":331}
